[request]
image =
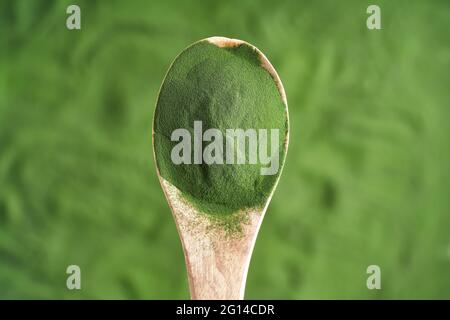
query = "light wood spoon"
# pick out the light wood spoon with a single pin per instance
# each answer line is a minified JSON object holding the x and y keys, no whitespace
{"x":216,"y":262}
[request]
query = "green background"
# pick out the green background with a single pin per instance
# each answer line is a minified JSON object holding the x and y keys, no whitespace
{"x":367,"y":175}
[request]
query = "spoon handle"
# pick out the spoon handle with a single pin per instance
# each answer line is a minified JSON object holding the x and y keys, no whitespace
{"x":217,"y":268}
{"x":216,"y":262}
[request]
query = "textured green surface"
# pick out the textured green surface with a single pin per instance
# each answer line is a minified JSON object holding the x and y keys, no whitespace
{"x":366,"y":180}
{"x":224,"y":89}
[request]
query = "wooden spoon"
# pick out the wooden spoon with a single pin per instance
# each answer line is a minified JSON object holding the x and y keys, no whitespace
{"x":217,"y":263}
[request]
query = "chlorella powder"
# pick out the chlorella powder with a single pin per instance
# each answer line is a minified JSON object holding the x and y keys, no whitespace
{"x":224,"y":88}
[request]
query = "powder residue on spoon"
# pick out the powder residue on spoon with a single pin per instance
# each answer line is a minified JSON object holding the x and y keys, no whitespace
{"x":224,"y":88}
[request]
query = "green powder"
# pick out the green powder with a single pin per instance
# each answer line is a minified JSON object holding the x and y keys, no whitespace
{"x":225,"y":88}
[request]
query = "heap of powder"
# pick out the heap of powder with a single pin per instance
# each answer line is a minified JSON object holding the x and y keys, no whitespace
{"x":225,"y":88}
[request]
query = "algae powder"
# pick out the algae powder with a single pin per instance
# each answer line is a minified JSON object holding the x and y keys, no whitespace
{"x":223,"y":88}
